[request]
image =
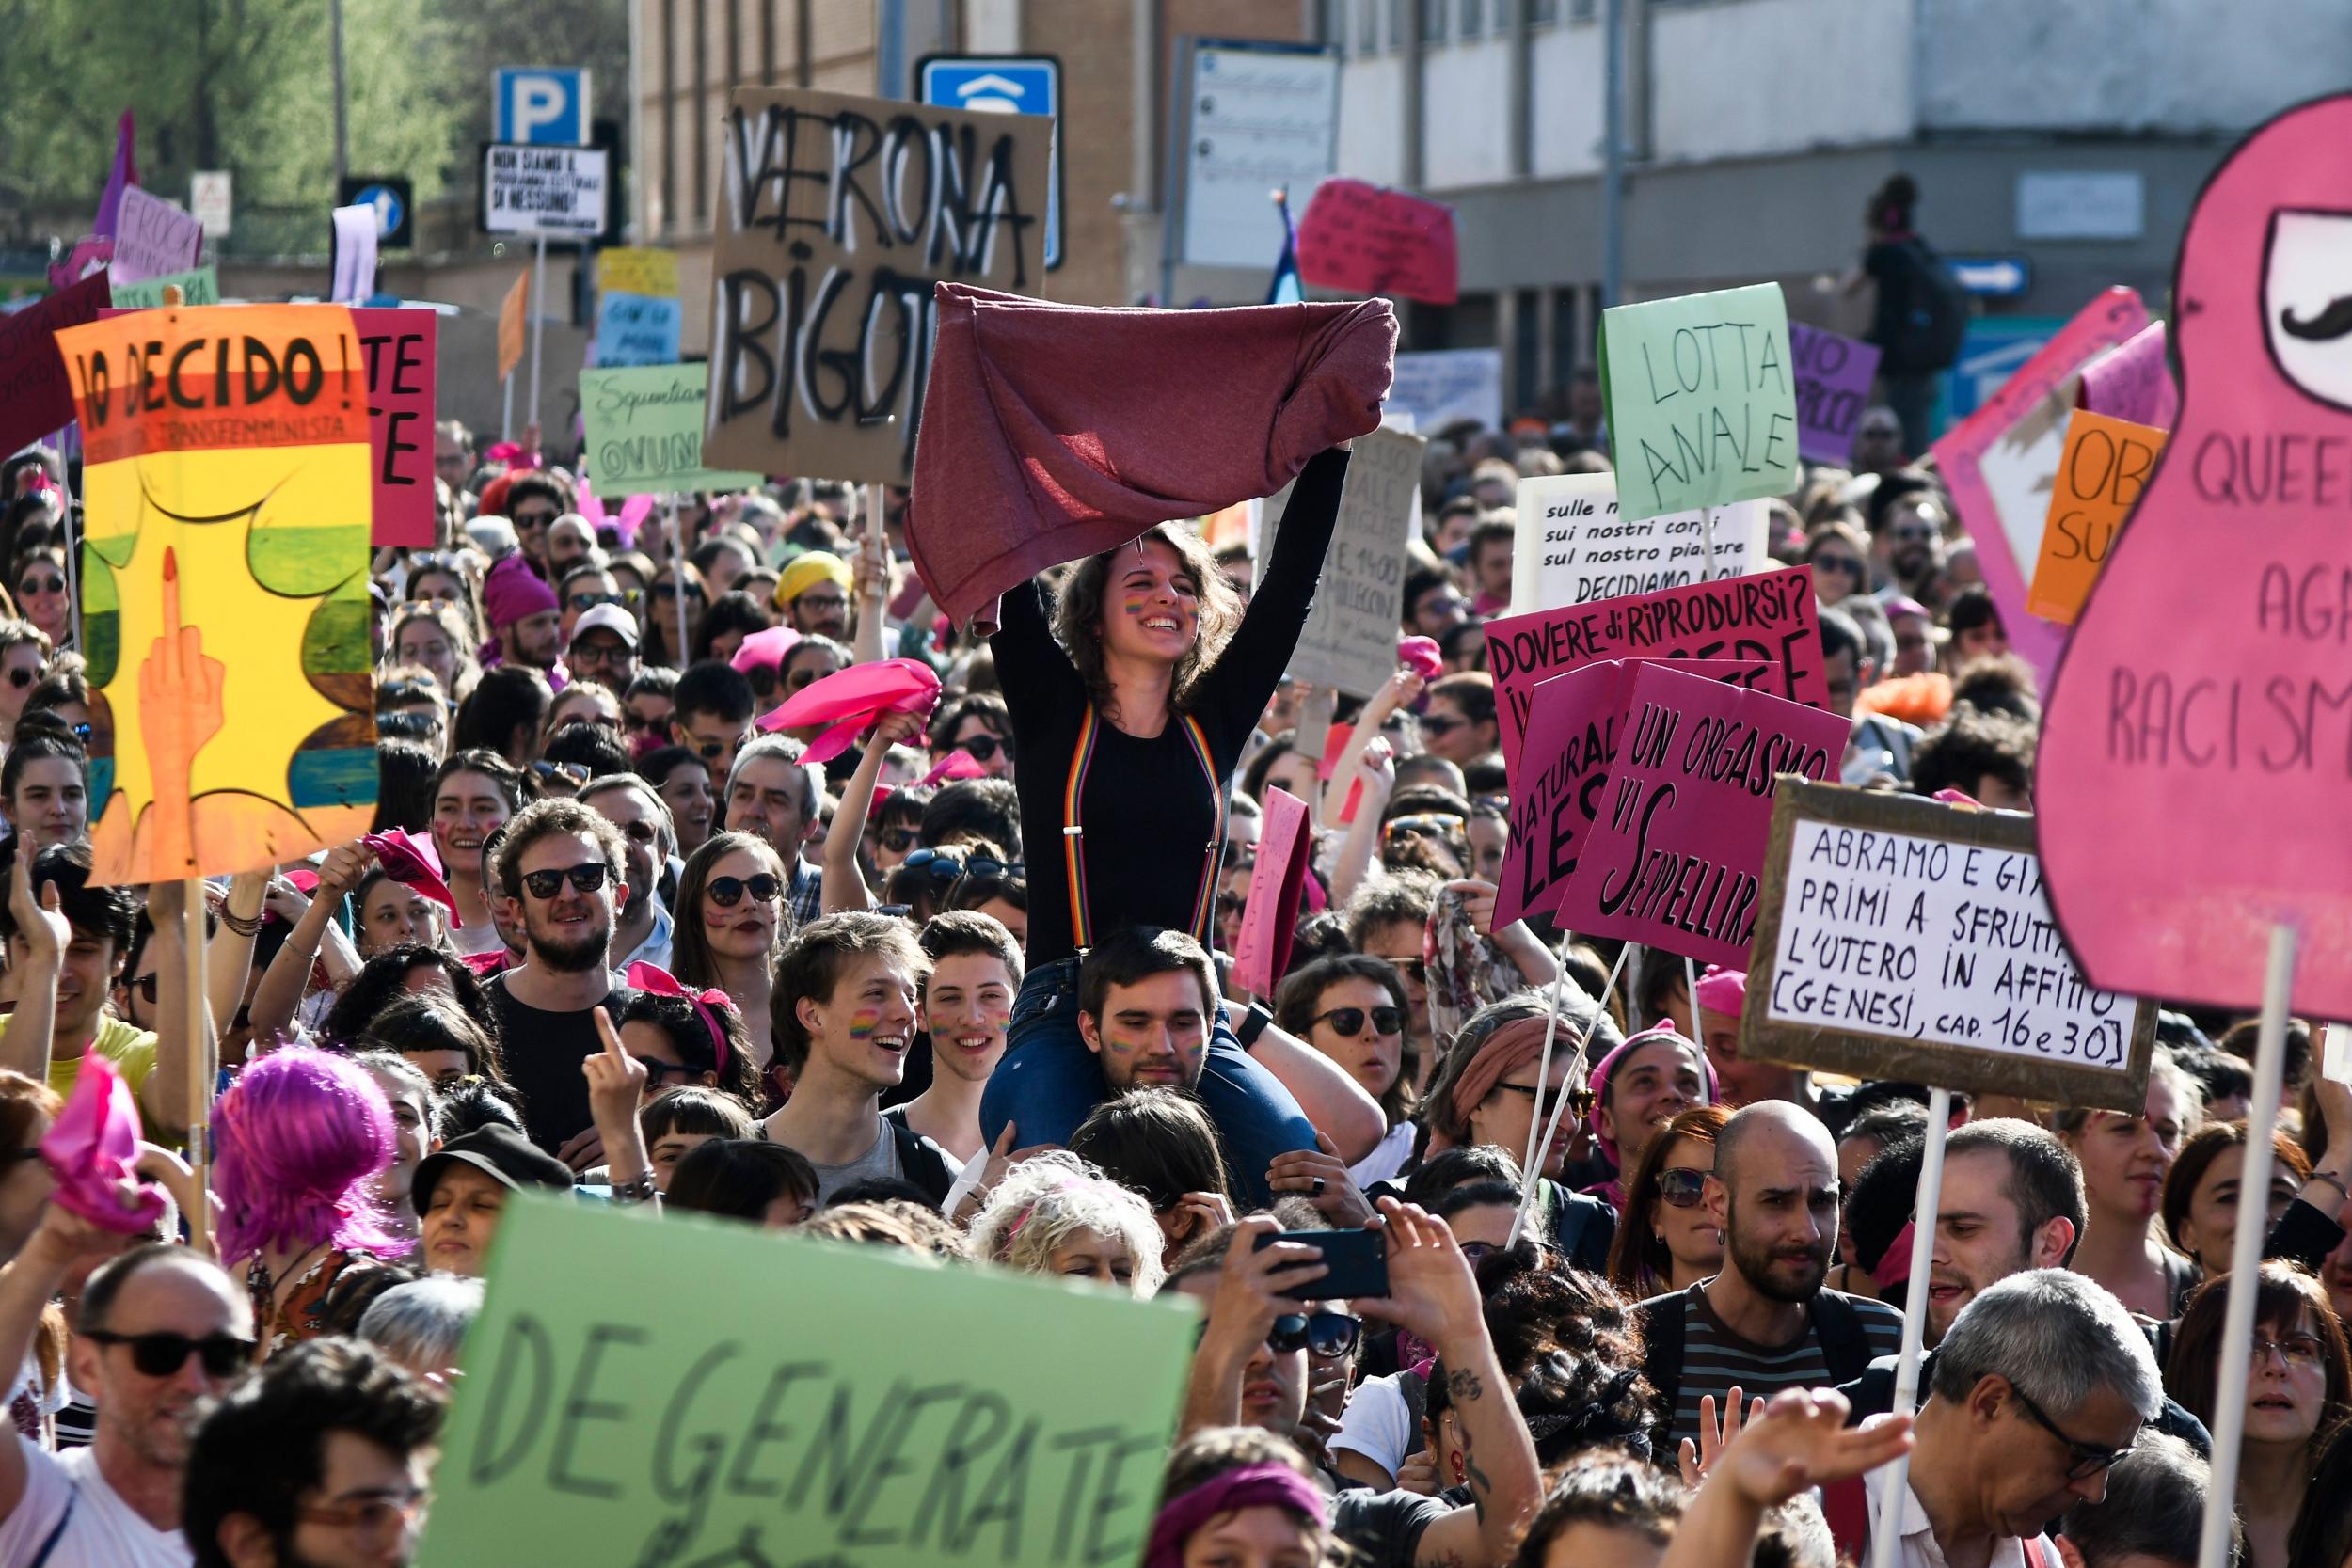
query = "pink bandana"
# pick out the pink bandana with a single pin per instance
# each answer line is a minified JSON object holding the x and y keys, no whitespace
{"x":93,"y":1150}
{"x":850,"y":699}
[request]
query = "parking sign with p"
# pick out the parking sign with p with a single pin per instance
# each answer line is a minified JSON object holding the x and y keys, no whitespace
{"x":544,"y":106}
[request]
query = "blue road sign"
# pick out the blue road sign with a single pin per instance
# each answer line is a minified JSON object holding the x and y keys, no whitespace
{"x":1994,"y":349}
{"x":390,"y":210}
{"x":1992,"y":276}
{"x":1005,"y":84}
{"x":543,"y":104}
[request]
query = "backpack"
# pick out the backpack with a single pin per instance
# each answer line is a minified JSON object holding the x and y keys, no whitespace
{"x":1829,"y":1315}
{"x":1928,"y":332}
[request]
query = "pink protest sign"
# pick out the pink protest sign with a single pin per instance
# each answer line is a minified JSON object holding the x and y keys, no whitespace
{"x":2193,"y":782}
{"x":1574,"y":724}
{"x":2132,"y":381}
{"x":36,"y":400}
{"x":1676,"y":857}
{"x":1371,"y":240}
{"x":398,"y":344}
{"x":1999,"y":464}
{"x":1767,"y":621}
{"x":1269,"y":916}
{"x":1833,"y":378}
{"x":153,"y":238}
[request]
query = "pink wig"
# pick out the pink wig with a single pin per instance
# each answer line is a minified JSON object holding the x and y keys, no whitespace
{"x":297,"y":1140}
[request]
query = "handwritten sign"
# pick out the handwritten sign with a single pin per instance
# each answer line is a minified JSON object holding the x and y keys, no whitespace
{"x":1766,"y":621}
{"x":637,"y":270}
{"x":154,"y":237}
{"x":836,"y":215}
{"x":543,"y":189}
{"x":1350,"y":637}
{"x":1573,"y":727}
{"x":597,"y":1424}
{"x":1904,"y":938}
{"x":399,"y":345}
{"x":226,"y":471}
{"x":1442,"y":386}
{"x":2131,"y":381}
{"x":196,"y":286}
{"x":1574,"y":545}
{"x":1833,"y":378}
{"x":2099,"y":477}
{"x":1371,"y":240}
{"x":1702,"y":399}
{"x":636,"y":329}
{"x":513,"y":311}
{"x":1269,"y":915}
{"x":645,"y":432}
{"x":36,"y":397}
{"x":1676,"y":858}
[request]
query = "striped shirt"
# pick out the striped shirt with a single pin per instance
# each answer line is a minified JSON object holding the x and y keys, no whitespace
{"x":1715,"y":1359}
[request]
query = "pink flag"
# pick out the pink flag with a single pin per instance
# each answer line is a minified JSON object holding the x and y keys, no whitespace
{"x":92,"y":1150}
{"x":1269,"y":919}
{"x":850,"y":699}
{"x":125,"y":173}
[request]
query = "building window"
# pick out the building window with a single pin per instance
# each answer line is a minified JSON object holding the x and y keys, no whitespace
{"x":1397,"y":23}
{"x":1542,"y":13}
{"x":1473,"y":19}
{"x":1433,"y":21}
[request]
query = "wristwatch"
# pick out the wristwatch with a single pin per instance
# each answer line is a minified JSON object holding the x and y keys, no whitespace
{"x":1252,"y":1024}
{"x":640,"y":1189}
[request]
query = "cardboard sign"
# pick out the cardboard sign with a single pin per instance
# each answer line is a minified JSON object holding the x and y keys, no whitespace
{"x":224,"y":586}
{"x":1269,"y":916}
{"x":1574,"y":545}
{"x":1574,"y":725}
{"x":543,"y":189}
{"x":198,"y":286}
{"x":36,"y":397}
{"x":2002,"y":461}
{"x":154,"y":237}
{"x":601,"y":1423}
{"x":1907,"y":939}
{"x":400,"y":345}
{"x":836,"y":215}
{"x":513,"y":311}
{"x":638,"y":329}
{"x":635,"y":270}
{"x":1350,"y":637}
{"x":2191,"y":778}
{"x":645,"y":432}
{"x":2132,"y":381}
{"x":1371,"y":240}
{"x":1833,"y":376}
{"x":2104,"y":467}
{"x":1702,"y":399}
{"x":1767,"y":621}
{"x":1676,"y":857}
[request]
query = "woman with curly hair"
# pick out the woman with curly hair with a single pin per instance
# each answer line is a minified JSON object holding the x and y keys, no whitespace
{"x":411,"y":969}
{"x":1056,"y":1214}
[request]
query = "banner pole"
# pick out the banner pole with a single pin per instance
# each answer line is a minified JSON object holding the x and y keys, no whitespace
{"x":1887,"y":1527}
{"x":1706,"y":540}
{"x":2234,"y":1364}
{"x":538,"y":327}
{"x":1538,"y":1150}
{"x":506,"y":418}
{"x":677,"y":580}
{"x":202,"y":1068}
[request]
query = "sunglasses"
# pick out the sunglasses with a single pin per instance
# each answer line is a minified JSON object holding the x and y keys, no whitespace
{"x":576,"y":771}
{"x":1349,"y":1022}
{"x":584,"y":602}
{"x":163,"y":1355}
{"x":41,"y":585}
{"x":1330,"y":1334}
{"x":1414,"y":970}
{"x":637,"y":723}
{"x":711,"y":751}
{"x":145,"y":986}
{"x":584,"y":878}
{"x":532,"y":520}
{"x":1580,"y":1101}
{"x":657,"y":1070}
{"x":898,"y":840}
{"x":1681,"y":1186}
{"x":1837,"y":564}
{"x":1431,"y":826}
{"x":21,"y":677}
{"x":727,"y":892}
{"x":983,"y":748}
{"x":669,"y":591}
{"x":1438,"y":724}
{"x":945,"y":866}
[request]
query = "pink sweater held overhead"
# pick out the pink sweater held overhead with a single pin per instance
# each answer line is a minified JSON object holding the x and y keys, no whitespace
{"x":1055,"y":432}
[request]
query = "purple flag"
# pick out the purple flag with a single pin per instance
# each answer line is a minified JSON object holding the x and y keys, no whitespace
{"x":125,"y":173}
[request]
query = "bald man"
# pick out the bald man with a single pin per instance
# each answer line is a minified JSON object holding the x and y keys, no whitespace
{"x":1765,"y":1324}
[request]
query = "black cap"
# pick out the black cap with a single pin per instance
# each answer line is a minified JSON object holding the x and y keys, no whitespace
{"x":497,"y":1151}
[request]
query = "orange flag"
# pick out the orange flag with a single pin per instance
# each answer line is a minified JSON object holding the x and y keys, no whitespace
{"x":511,"y":312}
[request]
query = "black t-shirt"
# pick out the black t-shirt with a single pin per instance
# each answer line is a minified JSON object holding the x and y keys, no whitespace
{"x":1893,"y":265}
{"x":1385,"y":1528}
{"x":543,"y":1053}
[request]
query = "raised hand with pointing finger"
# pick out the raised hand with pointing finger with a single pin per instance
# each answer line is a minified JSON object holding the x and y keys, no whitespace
{"x":180,"y":711}
{"x":616,"y":1082}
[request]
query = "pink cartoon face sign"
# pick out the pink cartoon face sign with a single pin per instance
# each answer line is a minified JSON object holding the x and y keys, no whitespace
{"x":2195,"y":777}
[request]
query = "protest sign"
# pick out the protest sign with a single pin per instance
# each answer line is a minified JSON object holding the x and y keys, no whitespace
{"x":1442,"y":386}
{"x":2103,"y":470}
{"x":1574,"y":724}
{"x":356,"y":232}
{"x":198,"y":286}
{"x":1767,"y":621}
{"x":2000,"y":464}
{"x":1269,"y":915}
{"x":638,"y":329}
{"x":635,"y":270}
{"x":1833,"y":378}
{"x":1702,"y":400}
{"x":602,"y":1422}
{"x":1371,"y":240}
{"x":1674,"y":859}
{"x":513,"y":311}
{"x":35,"y":396}
{"x":1902,"y":938}
{"x":152,"y":238}
{"x":542,"y":189}
{"x":836,"y":215}
{"x":226,"y":471}
{"x":2131,"y":381}
{"x":1573,"y":545}
{"x":645,"y":432}
{"x":400,"y":345}
{"x":1349,"y":641}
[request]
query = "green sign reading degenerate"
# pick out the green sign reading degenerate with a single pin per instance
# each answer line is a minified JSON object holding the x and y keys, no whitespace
{"x":652,"y":1392}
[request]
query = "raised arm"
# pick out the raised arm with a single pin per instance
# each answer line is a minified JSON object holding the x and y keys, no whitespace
{"x":845,"y":883}
{"x":24,"y":1041}
{"x":1236,"y":688}
{"x":229,"y":956}
{"x":28,"y":1284}
{"x":165,"y":1095}
{"x":275,"y":999}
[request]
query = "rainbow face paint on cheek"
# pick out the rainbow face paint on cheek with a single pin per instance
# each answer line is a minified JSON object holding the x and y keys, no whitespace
{"x":1136,"y":604}
{"x":862,"y":1021}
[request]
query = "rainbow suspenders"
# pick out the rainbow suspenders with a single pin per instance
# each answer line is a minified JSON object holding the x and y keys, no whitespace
{"x":1073,"y":832}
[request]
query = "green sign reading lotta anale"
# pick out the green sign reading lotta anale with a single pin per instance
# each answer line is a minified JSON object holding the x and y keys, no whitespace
{"x":1702,"y":399}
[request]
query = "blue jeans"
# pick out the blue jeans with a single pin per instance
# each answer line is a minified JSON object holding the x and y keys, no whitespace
{"x":1049,"y":1082}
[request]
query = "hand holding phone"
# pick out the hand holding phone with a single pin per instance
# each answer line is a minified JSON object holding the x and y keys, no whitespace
{"x":1355,"y":1263}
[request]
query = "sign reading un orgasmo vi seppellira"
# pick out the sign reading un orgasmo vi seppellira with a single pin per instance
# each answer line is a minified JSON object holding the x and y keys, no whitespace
{"x":837,"y":216}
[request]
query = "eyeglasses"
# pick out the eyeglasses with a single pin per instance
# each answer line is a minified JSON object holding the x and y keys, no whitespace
{"x":41,"y":585}
{"x":163,"y":1355}
{"x":669,"y":591}
{"x":145,"y":986}
{"x":1846,"y":564}
{"x":656,"y":1069}
{"x":983,"y":748}
{"x":584,"y":878}
{"x":727,"y":892}
{"x":637,"y":723}
{"x":1349,"y":1022}
{"x":2090,"y":1458}
{"x":1681,"y":1186}
{"x":2295,"y":1350}
{"x":945,"y":866}
{"x":1438,"y":724}
{"x":1330,"y":1334}
{"x":376,"y":1519}
{"x":584,"y":602}
{"x":531,"y":519}
{"x":821,"y":601}
{"x":575,"y":771}
{"x":1580,"y":1101}
{"x":898,"y":840}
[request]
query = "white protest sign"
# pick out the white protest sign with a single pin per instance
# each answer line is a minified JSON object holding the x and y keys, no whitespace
{"x":153,"y":237}
{"x":1351,"y":635}
{"x":1903,"y":938}
{"x":1573,"y":548}
{"x":355,"y":255}
{"x":1441,"y":386}
{"x":543,"y":190}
